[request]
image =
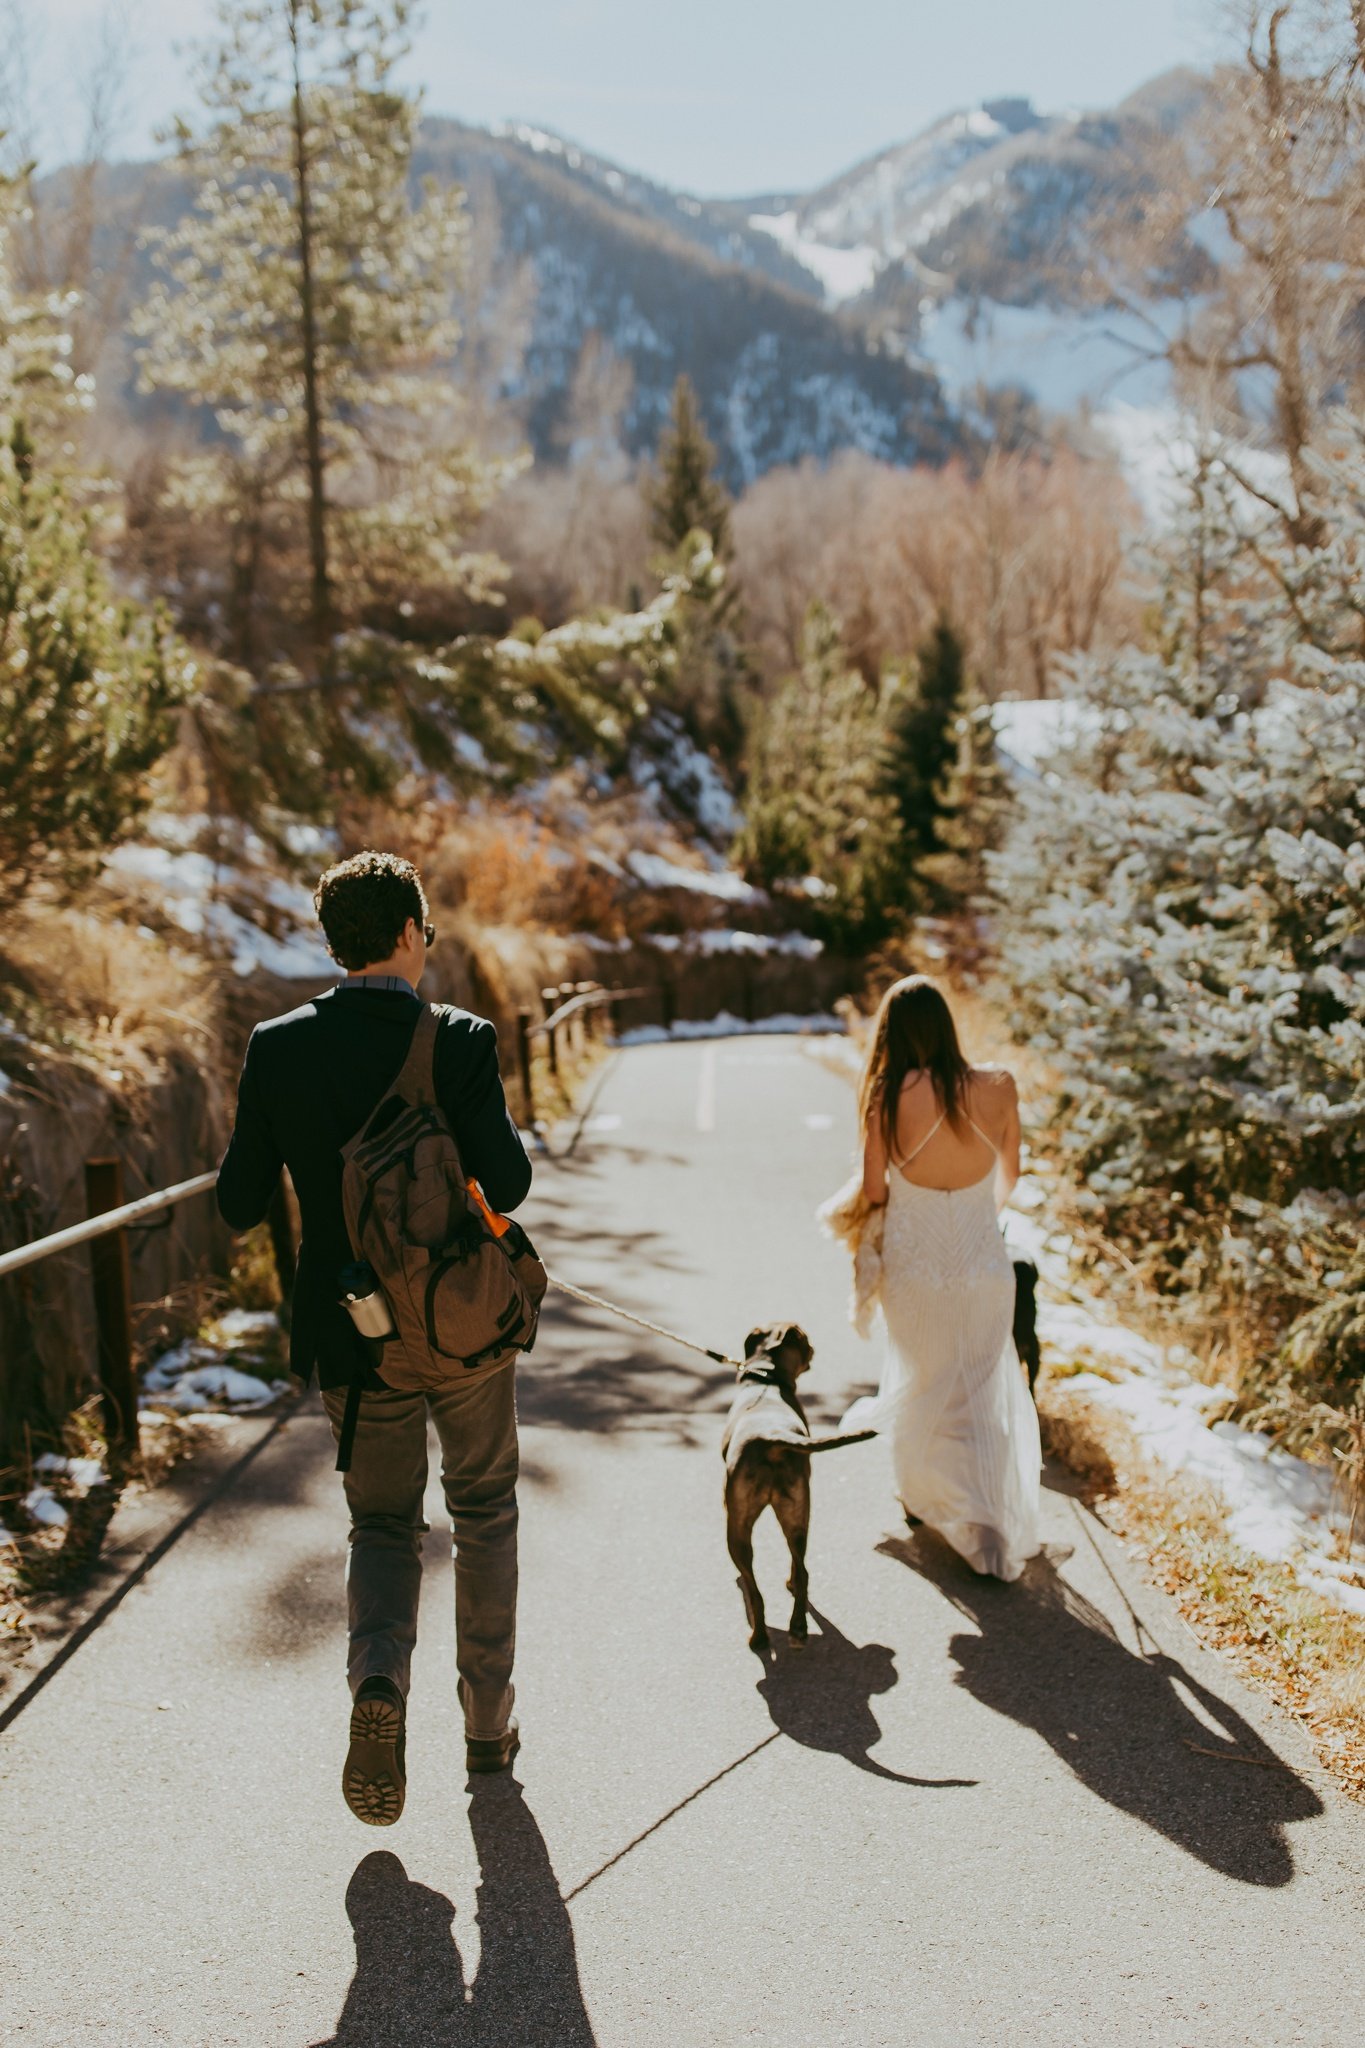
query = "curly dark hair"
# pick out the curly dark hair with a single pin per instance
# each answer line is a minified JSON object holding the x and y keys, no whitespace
{"x":364,"y":903}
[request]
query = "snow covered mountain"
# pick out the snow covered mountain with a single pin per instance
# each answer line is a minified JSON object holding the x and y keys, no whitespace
{"x":862,"y":314}
{"x":963,"y":256}
{"x":670,"y":283}
{"x":971,"y":247}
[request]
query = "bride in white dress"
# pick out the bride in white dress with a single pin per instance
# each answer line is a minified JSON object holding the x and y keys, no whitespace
{"x":940,"y":1157}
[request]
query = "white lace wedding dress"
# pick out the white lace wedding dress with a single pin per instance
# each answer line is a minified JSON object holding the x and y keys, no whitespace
{"x":953,"y":1399}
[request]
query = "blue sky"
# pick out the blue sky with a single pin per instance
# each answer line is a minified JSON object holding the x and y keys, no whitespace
{"x":721,"y":96}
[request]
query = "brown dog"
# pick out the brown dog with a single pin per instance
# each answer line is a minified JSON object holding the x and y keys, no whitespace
{"x":767,"y":1448}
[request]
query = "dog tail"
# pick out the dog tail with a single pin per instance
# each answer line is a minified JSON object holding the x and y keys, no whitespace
{"x":836,"y":1443}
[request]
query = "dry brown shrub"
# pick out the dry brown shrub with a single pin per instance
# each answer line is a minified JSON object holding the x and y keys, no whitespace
{"x":82,"y":978}
{"x":513,"y":870}
{"x":1024,"y":559}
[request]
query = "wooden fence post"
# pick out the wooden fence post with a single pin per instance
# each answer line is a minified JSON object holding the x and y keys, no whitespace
{"x":113,"y":1306}
{"x":550,"y":998}
{"x":524,"y":1064}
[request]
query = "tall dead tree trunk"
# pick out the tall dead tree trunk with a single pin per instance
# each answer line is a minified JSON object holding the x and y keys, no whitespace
{"x":320,"y":595}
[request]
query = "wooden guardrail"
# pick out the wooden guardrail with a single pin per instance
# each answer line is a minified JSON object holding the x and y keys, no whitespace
{"x":105,"y":1230}
{"x":576,"y":1009}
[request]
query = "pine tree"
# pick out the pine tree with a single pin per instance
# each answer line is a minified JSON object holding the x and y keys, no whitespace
{"x":687,"y":497}
{"x":817,"y":816}
{"x":87,"y":684}
{"x":307,"y":305}
{"x":1182,"y":900}
{"x":922,"y":743}
{"x":713,"y":686}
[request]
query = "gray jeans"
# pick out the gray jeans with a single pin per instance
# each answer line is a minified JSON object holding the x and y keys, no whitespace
{"x":477,"y":1427}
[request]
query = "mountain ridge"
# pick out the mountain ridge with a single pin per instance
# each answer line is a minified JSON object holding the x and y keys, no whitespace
{"x":842,"y":317}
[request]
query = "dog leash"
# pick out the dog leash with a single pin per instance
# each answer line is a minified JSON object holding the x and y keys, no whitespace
{"x":829,"y":1443}
{"x":643,"y":1323}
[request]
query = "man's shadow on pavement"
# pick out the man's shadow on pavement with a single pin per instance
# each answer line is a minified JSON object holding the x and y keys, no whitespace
{"x":409,"y":1988}
{"x":1047,"y":1658}
{"x":821,"y":1697}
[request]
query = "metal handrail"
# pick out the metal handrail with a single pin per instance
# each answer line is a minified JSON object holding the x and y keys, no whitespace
{"x":100,"y":1226}
{"x":589,"y":999}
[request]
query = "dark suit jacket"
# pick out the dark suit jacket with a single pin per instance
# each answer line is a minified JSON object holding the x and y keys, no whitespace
{"x":309,"y":1081}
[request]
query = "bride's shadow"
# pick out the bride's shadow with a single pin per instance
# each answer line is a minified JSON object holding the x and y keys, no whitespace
{"x":1047,"y":1658}
{"x":410,"y":1982}
{"x":821,"y":1696}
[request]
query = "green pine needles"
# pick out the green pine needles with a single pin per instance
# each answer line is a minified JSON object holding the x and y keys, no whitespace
{"x":1182,"y":901}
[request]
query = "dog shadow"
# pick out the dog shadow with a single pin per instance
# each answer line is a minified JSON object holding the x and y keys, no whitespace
{"x":821,"y":1696}
{"x":410,"y":1982}
{"x":1140,"y":1732}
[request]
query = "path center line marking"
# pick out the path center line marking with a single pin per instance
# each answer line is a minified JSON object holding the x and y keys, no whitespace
{"x":706,"y":1091}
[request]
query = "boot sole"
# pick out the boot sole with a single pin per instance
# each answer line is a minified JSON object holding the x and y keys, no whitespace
{"x":372,"y":1782}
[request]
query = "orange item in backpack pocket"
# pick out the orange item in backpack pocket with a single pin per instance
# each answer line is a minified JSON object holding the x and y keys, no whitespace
{"x":499,"y":1225}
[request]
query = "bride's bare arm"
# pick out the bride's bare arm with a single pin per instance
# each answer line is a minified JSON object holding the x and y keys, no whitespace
{"x":874,"y":1161}
{"x":1007,"y":1171}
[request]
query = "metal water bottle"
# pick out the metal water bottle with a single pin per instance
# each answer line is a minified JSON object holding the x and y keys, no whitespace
{"x":362,"y":1297}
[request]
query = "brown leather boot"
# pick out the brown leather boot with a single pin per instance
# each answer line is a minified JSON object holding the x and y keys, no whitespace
{"x":374,"y":1781}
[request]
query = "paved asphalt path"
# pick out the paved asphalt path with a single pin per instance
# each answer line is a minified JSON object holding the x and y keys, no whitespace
{"x":967,"y":1814}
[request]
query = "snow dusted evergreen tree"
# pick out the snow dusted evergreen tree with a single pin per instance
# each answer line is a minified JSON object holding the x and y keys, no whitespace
{"x":712,"y":686}
{"x":1182,"y":898}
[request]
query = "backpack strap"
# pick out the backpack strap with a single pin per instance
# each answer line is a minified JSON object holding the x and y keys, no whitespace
{"x":349,"y":1419}
{"x":416,"y":1078}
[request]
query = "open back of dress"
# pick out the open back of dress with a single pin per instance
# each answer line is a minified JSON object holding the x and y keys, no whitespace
{"x":963,"y":1429}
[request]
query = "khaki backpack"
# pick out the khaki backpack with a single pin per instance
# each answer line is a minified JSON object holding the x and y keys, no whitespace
{"x":464,"y":1288}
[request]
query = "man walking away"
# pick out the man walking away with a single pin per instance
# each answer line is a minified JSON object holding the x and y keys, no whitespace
{"x":310,"y":1080}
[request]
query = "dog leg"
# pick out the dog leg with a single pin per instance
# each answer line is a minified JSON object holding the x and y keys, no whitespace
{"x":792,"y":1509}
{"x":741,"y":1546}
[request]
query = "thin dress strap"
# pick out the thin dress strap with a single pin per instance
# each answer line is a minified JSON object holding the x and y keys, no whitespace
{"x":901,"y":1164}
{"x":982,"y":1135}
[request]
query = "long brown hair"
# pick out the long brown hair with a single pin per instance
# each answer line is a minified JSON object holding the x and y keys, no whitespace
{"x":914,"y":1030}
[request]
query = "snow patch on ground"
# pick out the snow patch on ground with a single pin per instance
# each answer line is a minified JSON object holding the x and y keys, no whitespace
{"x":657,"y":872}
{"x":42,"y":1506}
{"x":194,"y":892}
{"x":209,"y":1372}
{"x":761,"y":945}
{"x":671,"y":765}
{"x":79,"y":1474}
{"x":1279,"y":1507}
{"x":843,"y":273}
{"x":785,"y":1023}
{"x":1066,"y":356}
{"x":1158,"y":450}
